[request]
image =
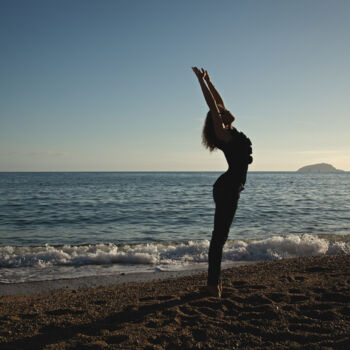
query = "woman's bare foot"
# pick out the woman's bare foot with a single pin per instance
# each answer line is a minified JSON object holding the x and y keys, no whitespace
{"x":214,"y":291}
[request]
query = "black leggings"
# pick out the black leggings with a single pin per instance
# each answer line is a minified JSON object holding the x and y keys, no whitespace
{"x":226,"y":200}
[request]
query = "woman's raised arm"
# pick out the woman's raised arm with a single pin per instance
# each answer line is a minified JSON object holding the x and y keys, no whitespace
{"x":220,"y":132}
{"x":218,"y":99}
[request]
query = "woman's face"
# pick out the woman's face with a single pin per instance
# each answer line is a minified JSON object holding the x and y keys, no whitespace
{"x":227,"y":118}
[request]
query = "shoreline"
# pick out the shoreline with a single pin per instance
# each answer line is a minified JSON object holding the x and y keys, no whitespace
{"x":37,"y":287}
{"x":299,"y":303}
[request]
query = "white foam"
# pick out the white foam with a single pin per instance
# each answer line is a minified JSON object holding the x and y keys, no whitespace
{"x":284,"y":247}
{"x":100,"y":254}
{"x":159,"y":253}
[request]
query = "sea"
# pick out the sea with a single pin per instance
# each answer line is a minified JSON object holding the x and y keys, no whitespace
{"x":58,"y":225}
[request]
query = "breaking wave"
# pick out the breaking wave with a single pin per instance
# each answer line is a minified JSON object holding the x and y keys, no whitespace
{"x":161,"y":253}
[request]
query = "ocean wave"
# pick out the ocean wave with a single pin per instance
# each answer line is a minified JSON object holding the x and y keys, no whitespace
{"x":161,"y":253}
{"x":279,"y":247}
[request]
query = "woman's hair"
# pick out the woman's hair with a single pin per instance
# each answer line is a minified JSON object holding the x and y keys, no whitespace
{"x":209,"y":139}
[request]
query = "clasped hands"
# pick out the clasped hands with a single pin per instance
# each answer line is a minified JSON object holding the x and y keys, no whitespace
{"x":201,"y":73}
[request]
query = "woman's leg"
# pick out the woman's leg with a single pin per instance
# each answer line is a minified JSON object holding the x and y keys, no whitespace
{"x":225,"y":207}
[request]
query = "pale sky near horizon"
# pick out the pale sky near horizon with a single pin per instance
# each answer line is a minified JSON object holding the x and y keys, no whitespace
{"x":107,"y":85}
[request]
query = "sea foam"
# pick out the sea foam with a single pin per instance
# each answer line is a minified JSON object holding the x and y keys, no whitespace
{"x":161,"y":253}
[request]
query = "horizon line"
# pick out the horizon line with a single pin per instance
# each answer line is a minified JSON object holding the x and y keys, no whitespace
{"x":161,"y":171}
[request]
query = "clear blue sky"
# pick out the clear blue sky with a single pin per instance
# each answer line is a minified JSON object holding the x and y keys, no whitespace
{"x":107,"y":85}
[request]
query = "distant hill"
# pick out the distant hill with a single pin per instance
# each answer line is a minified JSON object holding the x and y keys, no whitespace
{"x":319,"y":168}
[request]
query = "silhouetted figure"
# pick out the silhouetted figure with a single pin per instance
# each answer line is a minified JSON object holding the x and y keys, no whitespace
{"x":218,"y":132}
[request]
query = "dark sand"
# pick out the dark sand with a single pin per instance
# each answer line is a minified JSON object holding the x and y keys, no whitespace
{"x":290,"y":304}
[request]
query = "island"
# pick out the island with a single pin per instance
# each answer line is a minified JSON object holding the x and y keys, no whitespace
{"x":319,"y":168}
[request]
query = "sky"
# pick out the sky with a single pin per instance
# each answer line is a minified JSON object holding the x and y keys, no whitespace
{"x":107,"y":85}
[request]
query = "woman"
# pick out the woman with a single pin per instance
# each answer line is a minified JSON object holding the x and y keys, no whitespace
{"x":219,"y":133}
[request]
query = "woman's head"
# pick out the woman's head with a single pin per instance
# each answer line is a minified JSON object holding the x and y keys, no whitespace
{"x":227,"y":118}
{"x":209,"y":138}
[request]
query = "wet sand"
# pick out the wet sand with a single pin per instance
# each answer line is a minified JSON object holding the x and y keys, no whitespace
{"x":299,"y":303}
{"x":35,"y":287}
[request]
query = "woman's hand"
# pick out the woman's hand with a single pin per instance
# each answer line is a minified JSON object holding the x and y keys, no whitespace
{"x":200,"y":74}
{"x":206,"y":75}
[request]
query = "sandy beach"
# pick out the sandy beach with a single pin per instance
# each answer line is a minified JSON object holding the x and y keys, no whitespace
{"x":301,"y":303}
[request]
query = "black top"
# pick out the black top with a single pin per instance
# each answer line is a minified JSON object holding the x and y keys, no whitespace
{"x":238,"y":155}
